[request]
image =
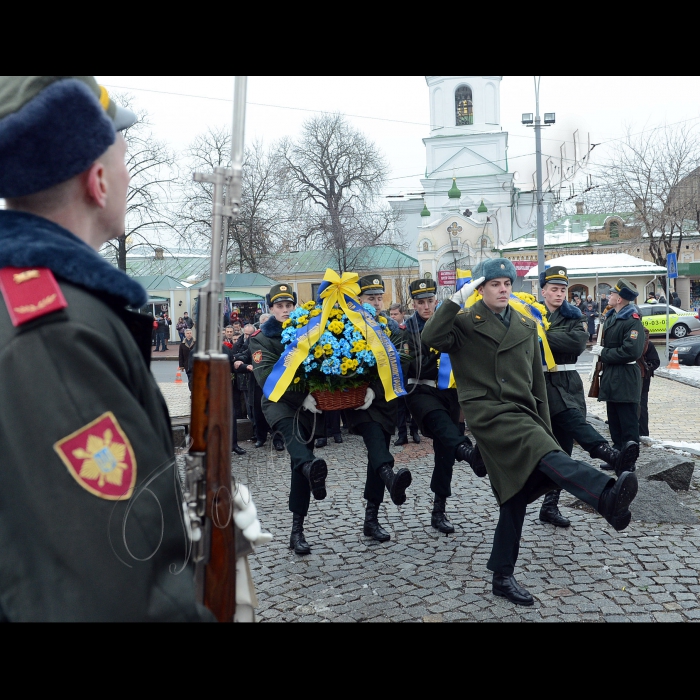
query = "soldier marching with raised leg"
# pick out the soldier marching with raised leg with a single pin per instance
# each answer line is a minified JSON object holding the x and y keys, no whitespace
{"x":435,"y":409}
{"x":567,"y":335}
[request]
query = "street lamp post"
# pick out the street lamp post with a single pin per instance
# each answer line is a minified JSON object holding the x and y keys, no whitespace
{"x":548,"y":121}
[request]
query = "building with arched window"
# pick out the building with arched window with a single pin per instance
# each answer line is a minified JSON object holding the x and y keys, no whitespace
{"x":467,"y":181}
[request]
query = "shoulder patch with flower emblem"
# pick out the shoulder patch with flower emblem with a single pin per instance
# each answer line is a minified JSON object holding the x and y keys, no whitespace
{"x":100,"y":458}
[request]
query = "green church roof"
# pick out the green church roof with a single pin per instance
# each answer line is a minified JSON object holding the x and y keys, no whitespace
{"x":482,"y":208}
{"x":425,"y":211}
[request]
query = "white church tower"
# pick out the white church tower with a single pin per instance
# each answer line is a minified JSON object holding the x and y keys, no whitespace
{"x":467,"y":209}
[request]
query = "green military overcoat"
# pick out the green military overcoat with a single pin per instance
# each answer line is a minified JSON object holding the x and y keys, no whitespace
{"x":567,"y":338}
{"x":81,"y":416}
{"x":501,"y":389}
{"x":623,"y":345}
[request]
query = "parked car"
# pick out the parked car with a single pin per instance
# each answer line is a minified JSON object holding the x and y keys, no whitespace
{"x":688,"y":350}
{"x":681,"y":322}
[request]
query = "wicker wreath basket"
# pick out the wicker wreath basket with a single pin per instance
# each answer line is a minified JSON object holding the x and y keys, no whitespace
{"x":341,"y":399}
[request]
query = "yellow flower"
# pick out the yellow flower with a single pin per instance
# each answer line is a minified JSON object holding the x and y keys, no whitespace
{"x":381,"y":319}
{"x":302,"y":321}
{"x":318,"y":352}
{"x":297,"y":379}
{"x":359,"y":345}
{"x":328,"y":349}
{"x":309,"y":305}
{"x":387,"y":331}
{"x":315,"y":312}
{"x":336,"y":327}
{"x":286,"y":323}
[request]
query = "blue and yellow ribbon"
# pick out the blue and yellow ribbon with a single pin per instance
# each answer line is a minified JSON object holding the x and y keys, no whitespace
{"x":533,"y":313}
{"x":343,"y":291}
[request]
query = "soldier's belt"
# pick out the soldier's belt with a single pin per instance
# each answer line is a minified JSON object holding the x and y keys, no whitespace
{"x":559,"y":368}
{"x":427,"y":382}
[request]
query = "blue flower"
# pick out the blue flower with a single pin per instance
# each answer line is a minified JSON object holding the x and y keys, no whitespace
{"x":370,"y":308}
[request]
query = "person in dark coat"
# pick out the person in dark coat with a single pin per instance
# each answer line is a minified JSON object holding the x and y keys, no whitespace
{"x":375,"y":421}
{"x":293,"y":416}
{"x":497,"y":364}
{"x":648,"y":363}
{"x":84,"y":429}
{"x":567,"y":403}
{"x":675,"y":300}
{"x":227,"y":348}
{"x":435,"y":408}
{"x":591,"y":315}
{"x":621,"y":380}
{"x":183,"y":358}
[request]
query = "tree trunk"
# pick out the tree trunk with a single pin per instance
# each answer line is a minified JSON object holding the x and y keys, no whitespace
{"x":121,"y":253}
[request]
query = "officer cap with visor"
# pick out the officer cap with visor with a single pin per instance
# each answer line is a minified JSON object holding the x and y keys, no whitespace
{"x":555,"y":275}
{"x":371,"y":284}
{"x":422,"y":289}
{"x":625,"y":289}
{"x":281,"y":292}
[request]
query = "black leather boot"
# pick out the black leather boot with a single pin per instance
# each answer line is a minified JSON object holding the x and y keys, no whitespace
{"x":321,"y":442}
{"x":439,"y":519}
{"x":508,"y":587}
{"x":615,"y":500}
{"x":549,"y":512}
{"x":297,"y":541}
{"x":396,"y":482}
{"x":466,"y":452}
{"x":338,"y":438}
{"x":316,"y":472}
{"x":416,"y":436}
{"x":618,"y":460}
{"x":401,"y":440}
{"x":372,"y":527}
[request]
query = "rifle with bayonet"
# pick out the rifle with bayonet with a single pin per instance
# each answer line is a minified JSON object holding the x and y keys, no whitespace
{"x":208,"y":483}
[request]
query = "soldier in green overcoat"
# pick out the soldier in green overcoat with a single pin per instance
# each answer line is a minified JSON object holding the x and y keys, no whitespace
{"x":567,"y":336}
{"x":90,"y":513}
{"x":292,"y":416}
{"x":375,"y":421}
{"x":621,"y":381}
{"x":435,"y":408}
{"x":497,"y":363}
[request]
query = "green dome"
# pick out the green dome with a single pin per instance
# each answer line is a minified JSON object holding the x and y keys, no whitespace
{"x":425,"y":211}
{"x":482,"y":208}
{"x":454,"y":192}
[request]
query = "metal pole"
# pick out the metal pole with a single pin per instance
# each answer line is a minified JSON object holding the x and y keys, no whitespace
{"x":667,"y":314}
{"x":538,"y":156}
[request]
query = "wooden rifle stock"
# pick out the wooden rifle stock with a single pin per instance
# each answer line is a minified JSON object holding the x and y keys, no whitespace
{"x":594,"y":389}
{"x":210,"y":432}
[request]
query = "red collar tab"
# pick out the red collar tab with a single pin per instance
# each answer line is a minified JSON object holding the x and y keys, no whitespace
{"x":30,"y":292}
{"x":635,"y":315}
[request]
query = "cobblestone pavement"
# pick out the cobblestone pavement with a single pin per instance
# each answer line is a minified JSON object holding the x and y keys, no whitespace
{"x":587,"y":572}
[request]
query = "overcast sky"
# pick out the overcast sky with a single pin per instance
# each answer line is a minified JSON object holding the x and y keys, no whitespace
{"x":394,"y":113}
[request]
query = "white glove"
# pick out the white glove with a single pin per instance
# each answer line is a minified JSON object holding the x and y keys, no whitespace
{"x":596,"y":349}
{"x":369,"y":397}
{"x":310,"y":404}
{"x":245,"y":516}
{"x":463,"y":294}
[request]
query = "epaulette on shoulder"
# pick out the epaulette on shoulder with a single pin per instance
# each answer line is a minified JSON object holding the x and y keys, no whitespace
{"x":635,"y":316}
{"x":402,"y":326}
{"x":252,"y":335}
{"x":526,"y":321}
{"x":29,"y":293}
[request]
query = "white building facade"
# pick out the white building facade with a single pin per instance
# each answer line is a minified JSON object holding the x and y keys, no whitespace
{"x":470,"y":204}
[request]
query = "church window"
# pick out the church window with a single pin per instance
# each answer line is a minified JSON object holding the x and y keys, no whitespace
{"x":614,"y":229}
{"x":464,"y":108}
{"x":426,"y":245}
